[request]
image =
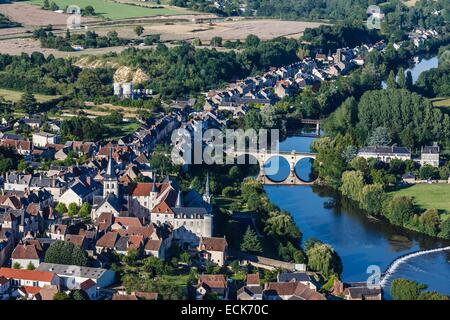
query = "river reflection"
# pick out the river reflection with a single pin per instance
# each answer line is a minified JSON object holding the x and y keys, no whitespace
{"x":361,"y":241}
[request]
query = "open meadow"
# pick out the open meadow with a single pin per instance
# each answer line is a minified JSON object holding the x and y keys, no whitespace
{"x":115,"y":10}
{"x":428,"y":195}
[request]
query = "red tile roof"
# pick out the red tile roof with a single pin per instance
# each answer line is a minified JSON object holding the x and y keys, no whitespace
{"x":89,"y":283}
{"x":128,"y":221}
{"x":108,"y":240}
{"x":213,"y":244}
{"x":30,"y":290}
{"x":153,"y":245}
{"x":213,"y":280}
{"x":33,"y":275}
{"x":293,"y":289}
{"x":24,"y":251}
{"x":253,"y":279}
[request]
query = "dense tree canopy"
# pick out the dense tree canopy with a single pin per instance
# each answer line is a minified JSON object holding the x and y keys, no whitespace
{"x":62,"y":252}
{"x":411,"y":119}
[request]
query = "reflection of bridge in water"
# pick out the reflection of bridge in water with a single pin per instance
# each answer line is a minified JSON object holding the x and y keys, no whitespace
{"x":313,"y":122}
{"x":262,"y":156}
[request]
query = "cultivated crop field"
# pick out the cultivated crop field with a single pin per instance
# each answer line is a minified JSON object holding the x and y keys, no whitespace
{"x":113,"y":10}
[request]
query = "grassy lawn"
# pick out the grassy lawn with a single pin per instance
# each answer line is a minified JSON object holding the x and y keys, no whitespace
{"x":14,"y":96}
{"x":113,"y":10}
{"x":118,"y":131}
{"x":428,"y":195}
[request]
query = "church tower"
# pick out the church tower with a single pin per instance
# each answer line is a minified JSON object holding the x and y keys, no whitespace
{"x":110,"y":181}
{"x":207,"y":195}
{"x":179,"y":203}
{"x":153,"y":193}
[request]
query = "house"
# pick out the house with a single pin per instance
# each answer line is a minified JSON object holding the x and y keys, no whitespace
{"x":430,"y":155}
{"x":252,"y":290}
{"x":290,"y":291}
{"x":213,"y":249}
{"x":57,"y":231}
{"x":361,"y":291}
{"x":77,"y":193}
{"x":74,"y":277}
{"x":26,"y":255}
{"x":41,"y":139}
{"x":409,"y":178}
{"x":212,"y":285}
{"x":301,"y":277}
{"x":385,"y":153}
{"x":33,"y":278}
{"x":4,"y":285}
{"x":47,"y":292}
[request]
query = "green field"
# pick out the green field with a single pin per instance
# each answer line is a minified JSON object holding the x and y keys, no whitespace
{"x":441,"y":102}
{"x":113,"y":10}
{"x":117,"y":131}
{"x":11,"y":95}
{"x":428,"y":195}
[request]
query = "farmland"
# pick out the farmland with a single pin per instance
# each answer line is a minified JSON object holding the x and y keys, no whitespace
{"x":114,"y":10}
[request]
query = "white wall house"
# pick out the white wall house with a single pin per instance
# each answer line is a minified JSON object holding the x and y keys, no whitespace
{"x":41,"y":139}
{"x":73,"y":276}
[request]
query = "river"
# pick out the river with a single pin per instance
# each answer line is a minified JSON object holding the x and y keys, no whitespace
{"x":424,"y":65}
{"x":360,"y":241}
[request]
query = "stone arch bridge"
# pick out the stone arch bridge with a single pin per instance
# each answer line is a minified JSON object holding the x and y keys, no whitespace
{"x":262,"y":156}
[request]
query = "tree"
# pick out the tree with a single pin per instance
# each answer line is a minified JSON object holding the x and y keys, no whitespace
{"x":252,"y":41}
{"x":352,"y":184}
{"x":428,"y":172}
{"x":28,"y":103}
{"x":30,"y":266}
{"x":185,"y":257}
{"x":445,"y":229}
{"x":401,"y":79}
{"x":85,"y":210}
{"x":16,"y":265}
{"x":197,"y":42}
{"x":323,"y":258}
{"x":372,"y":198}
{"x":379,"y":137}
{"x":61,"y":208}
{"x":89,"y":11}
{"x":433,"y":295}
{"x":46,"y":5}
{"x":79,"y":295}
{"x":62,"y":252}
{"x":400,"y":210}
{"x":390,"y":82}
{"x":430,"y":222}
{"x":54,"y":6}
{"x":250,"y":241}
{"x":216,"y":41}
{"x":73,"y":209}
{"x":408,"y":80}
{"x":280,"y":224}
{"x":61,"y":296}
{"x":139,"y":30}
{"x":404,"y":289}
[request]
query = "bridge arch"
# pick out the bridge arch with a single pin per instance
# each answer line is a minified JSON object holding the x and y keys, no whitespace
{"x":262,"y":156}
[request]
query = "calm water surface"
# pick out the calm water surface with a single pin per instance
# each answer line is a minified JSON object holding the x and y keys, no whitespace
{"x":360,"y":241}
